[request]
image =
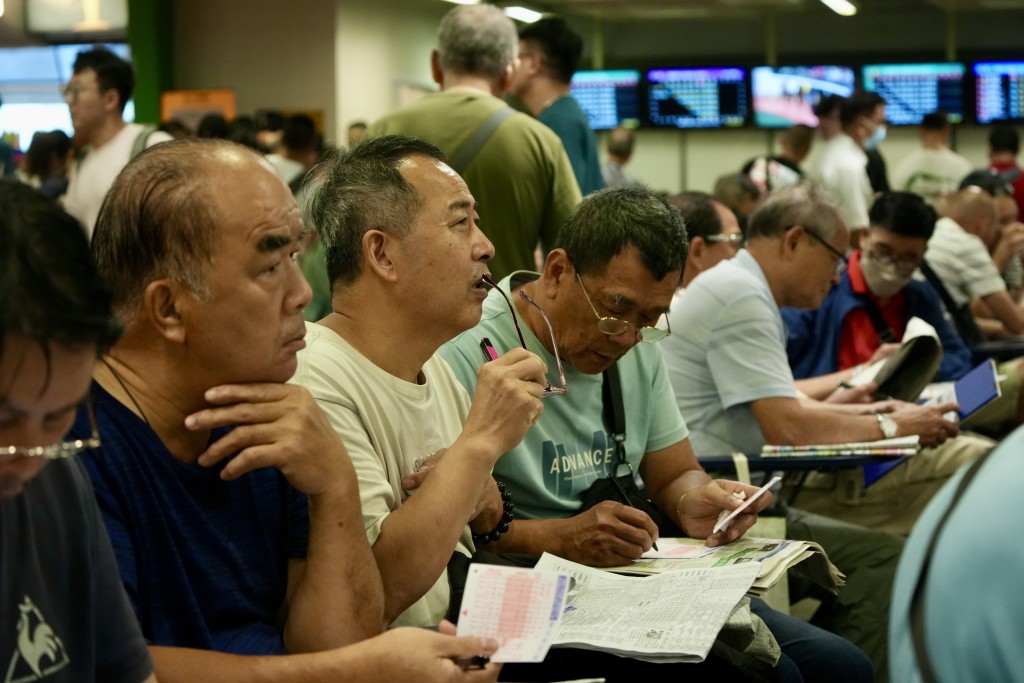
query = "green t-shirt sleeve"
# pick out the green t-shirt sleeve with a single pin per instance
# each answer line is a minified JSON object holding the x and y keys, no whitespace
{"x":458,"y":354}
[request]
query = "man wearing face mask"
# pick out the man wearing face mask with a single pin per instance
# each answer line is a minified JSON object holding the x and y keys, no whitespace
{"x":842,"y":167}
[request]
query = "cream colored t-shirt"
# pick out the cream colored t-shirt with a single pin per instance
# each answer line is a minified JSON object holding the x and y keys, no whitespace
{"x":386,"y":424}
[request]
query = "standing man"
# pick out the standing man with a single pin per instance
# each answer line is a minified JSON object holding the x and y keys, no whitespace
{"x":621,"y":141}
{"x":933,"y":170}
{"x":549,"y":55}
{"x":515,"y":166}
{"x":100,"y":87}
{"x":63,"y":612}
{"x":1003,"y":147}
{"x":841,"y":168}
{"x":231,"y":503}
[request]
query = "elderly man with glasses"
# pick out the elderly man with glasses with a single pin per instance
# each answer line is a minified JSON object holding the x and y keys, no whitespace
{"x":607,"y":288}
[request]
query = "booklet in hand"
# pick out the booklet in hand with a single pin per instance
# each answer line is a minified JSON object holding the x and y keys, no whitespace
{"x":906,"y":373}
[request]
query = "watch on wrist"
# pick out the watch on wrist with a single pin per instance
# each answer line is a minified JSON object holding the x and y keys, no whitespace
{"x":887,"y":425}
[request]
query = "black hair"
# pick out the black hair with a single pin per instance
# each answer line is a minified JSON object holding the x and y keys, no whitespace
{"x":561,"y":46}
{"x":608,"y":221}
{"x":213,"y":125}
{"x":860,"y":103}
{"x":699,"y":213}
{"x":299,"y":133}
{"x":1004,"y":139}
{"x":111,"y":71}
{"x":903,"y":213}
{"x":50,"y":290}
{"x":937,"y":120}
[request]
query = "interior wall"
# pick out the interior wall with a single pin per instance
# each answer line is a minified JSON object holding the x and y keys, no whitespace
{"x":274,"y":54}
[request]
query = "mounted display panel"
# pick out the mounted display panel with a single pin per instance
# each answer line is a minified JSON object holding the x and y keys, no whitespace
{"x":913,"y":90}
{"x":697,"y":98}
{"x":999,"y":91}
{"x":786,"y":96}
{"x":608,"y":98}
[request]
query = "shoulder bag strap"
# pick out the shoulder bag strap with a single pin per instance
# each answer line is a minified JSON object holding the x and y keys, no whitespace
{"x":464,"y":157}
{"x":917,"y":623}
{"x":884,"y":330}
{"x":962,"y":317}
{"x":614,"y":413}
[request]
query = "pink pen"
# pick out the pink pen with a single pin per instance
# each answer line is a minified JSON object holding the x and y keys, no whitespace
{"x":488,"y":348}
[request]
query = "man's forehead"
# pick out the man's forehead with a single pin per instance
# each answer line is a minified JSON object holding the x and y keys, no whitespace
{"x":727,"y":217}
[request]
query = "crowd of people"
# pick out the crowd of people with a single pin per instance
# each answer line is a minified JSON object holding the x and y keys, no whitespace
{"x":248,"y":431}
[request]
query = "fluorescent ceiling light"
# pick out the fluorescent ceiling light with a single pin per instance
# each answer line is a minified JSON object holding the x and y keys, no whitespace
{"x":842,"y":7}
{"x":527,"y":16}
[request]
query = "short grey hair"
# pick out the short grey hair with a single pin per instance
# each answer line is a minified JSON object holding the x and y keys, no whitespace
{"x":477,"y":40}
{"x":801,"y":205}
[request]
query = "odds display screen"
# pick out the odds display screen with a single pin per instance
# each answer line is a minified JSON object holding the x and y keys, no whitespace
{"x":785,"y":96}
{"x":913,"y":90}
{"x":999,"y":91}
{"x":697,"y":98}
{"x":608,"y":98}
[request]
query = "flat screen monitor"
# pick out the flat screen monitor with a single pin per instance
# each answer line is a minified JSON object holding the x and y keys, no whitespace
{"x":913,"y":90}
{"x":785,"y":96}
{"x":697,"y":98}
{"x":999,"y":91}
{"x":608,"y":98}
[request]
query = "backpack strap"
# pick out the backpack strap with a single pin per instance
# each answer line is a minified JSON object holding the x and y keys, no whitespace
{"x":142,"y":141}
{"x":962,"y":317}
{"x":461,"y":160}
{"x":885,"y":332}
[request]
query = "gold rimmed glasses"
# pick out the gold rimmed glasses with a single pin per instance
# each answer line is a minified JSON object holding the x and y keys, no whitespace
{"x":615,"y":326}
{"x":548,"y":390}
{"x":58,"y":451}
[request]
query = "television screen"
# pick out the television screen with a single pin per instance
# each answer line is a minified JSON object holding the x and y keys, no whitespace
{"x":608,"y":98}
{"x":786,"y":96}
{"x":1000,"y":91}
{"x":913,"y":90}
{"x":697,"y":98}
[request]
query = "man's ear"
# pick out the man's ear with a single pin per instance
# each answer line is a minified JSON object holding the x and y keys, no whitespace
{"x":111,"y":99}
{"x":163,"y":303}
{"x":791,"y":240}
{"x":435,"y":68}
{"x":378,"y":254}
{"x":558,"y":270}
{"x":504,"y":83}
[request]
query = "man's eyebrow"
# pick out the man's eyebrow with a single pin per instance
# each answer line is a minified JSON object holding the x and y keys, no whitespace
{"x":462,"y":204}
{"x":271,"y":243}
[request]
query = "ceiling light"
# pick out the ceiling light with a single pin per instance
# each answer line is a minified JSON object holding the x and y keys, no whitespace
{"x":464,"y":2}
{"x":527,"y":16}
{"x":842,"y":7}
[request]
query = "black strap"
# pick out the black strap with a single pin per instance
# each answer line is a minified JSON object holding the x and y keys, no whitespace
{"x":461,"y":160}
{"x":884,"y":330}
{"x":614,"y":413}
{"x":962,"y":317}
{"x":917,"y":623}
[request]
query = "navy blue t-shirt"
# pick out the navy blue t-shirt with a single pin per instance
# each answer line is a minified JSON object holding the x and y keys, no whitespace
{"x":204,"y":561}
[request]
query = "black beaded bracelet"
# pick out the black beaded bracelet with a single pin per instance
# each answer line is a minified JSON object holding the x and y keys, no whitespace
{"x":507,"y":514}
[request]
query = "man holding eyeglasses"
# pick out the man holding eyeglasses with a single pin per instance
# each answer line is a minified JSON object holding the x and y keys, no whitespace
{"x":63,"y":612}
{"x":408,"y":266}
{"x":607,"y":289}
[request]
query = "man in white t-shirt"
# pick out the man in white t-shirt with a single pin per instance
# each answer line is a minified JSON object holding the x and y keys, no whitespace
{"x":406,"y":261}
{"x":100,"y":87}
{"x":933,"y":170}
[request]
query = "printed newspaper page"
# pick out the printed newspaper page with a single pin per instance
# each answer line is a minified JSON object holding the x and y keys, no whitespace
{"x":671,"y":617}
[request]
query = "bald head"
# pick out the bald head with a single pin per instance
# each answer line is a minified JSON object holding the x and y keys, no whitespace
{"x":975,"y":211}
{"x":160,"y":218}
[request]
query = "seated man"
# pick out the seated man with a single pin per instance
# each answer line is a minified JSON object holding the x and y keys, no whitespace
{"x":839,"y":337}
{"x":732,"y":379}
{"x":64,"y":611}
{"x":605,"y":288}
{"x":230,"y":501}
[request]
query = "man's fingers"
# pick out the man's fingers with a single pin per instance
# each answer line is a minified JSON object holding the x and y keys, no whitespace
{"x":255,"y":393}
{"x":250,"y":459}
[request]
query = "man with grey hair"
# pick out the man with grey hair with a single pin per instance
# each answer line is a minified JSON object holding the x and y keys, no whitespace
{"x":621,"y":141}
{"x":515,"y":166}
{"x":231,"y":504}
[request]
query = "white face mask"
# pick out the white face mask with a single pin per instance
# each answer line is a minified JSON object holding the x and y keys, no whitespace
{"x":876,"y":137}
{"x":882,"y":278}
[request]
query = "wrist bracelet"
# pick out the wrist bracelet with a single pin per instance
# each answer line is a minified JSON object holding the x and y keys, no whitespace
{"x":679,"y":507}
{"x":507,"y":514}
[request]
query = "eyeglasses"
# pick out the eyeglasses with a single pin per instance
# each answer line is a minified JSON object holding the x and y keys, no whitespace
{"x":735,"y":238}
{"x":548,"y":390}
{"x":72,"y":91}
{"x":843,"y":261}
{"x":59,"y":451}
{"x":903,"y":264}
{"x":614,"y":326}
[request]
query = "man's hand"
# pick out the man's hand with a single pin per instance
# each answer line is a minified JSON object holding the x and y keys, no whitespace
{"x":1011,"y":241}
{"x":883,"y":352}
{"x":609,"y":534}
{"x":700,"y":506}
{"x":846,"y":395}
{"x":927,"y":422}
{"x":416,"y":654}
{"x":276,"y":425}
{"x":507,"y":401}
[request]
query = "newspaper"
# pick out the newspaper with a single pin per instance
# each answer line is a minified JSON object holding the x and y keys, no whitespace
{"x":773,"y":557}
{"x":671,"y":617}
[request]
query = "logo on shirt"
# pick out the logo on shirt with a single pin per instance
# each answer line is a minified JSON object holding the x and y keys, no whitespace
{"x":568,"y":474}
{"x":40,"y":652}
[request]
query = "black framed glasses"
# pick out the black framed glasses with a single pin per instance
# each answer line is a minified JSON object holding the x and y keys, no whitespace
{"x":549,"y":390}
{"x":61,"y":450}
{"x":843,"y":261}
{"x":615,"y":326}
{"x":905,"y":264}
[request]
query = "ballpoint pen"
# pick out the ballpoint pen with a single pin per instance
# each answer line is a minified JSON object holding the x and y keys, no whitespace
{"x":625,"y":499}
